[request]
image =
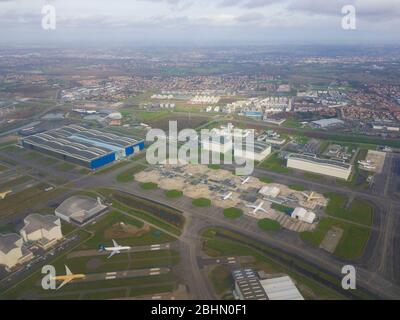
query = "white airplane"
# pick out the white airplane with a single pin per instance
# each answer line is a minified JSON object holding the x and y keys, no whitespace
{"x":311,"y":196}
{"x":227,"y":196}
{"x":244,"y":181}
{"x":257,"y":208}
{"x":116,"y":249}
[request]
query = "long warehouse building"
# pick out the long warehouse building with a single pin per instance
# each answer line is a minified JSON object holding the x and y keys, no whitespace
{"x":314,"y":164}
{"x":90,"y":148}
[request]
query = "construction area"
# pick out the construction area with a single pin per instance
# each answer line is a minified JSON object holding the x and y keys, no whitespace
{"x":291,"y":208}
{"x":373,"y":162}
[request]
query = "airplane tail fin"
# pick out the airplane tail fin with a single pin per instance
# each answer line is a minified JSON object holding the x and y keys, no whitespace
{"x":102,"y":248}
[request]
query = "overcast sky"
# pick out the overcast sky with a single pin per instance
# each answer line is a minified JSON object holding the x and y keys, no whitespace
{"x":200,"y":21}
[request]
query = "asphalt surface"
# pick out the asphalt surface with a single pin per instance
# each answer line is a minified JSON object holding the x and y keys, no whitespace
{"x":123,"y":274}
{"x":91,"y":253}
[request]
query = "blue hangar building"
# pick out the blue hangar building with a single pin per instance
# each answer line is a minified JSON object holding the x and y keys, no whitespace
{"x":90,"y":148}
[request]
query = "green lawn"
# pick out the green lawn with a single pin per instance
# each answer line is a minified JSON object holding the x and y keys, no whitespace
{"x":65,"y":166}
{"x":292,"y":123}
{"x":214,"y":166}
{"x":352,"y":243}
{"x":359,"y":211}
{"x":201,"y":202}
{"x":282,"y":208}
{"x":297,"y":187}
{"x":269,"y":225}
{"x":266,"y":180}
{"x":233,"y":213}
{"x":221,"y":279}
{"x":218,"y":242}
{"x":274,"y":163}
{"x":148,"y":186}
{"x":129,"y":175}
{"x":173,"y":194}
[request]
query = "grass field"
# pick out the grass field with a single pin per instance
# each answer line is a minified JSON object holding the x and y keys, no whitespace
{"x":359,"y":211}
{"x":351,"y":245}
{"x":292,"y":123}
{"x":219,"y":242}
{"x":148,"y":186}
{"x":156,"y":215}
{"x":91,"y":236}
{"x":65,"y":166}
{"x":266,"y":180}
{"x":268,"y":224}
{"x":221,"y":278}
{"x":111,"y":168}
{"x":201,"y":202}
{"x":148,"y":236}
{"x":128,"y":175}
{"x":214,"y":166}
{"x":233,"y":213}
{"x":275,"y":164}
{"x":297,"y":187}
{"x":14,"y":182}
{"x":173,"y":193}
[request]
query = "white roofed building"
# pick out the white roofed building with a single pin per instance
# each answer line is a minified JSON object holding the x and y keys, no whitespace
{"x":304,"y":215}
{"x":46,"y":229}
{"x":270,"y":191}
{"x":80,"y":209}
{"x":12,"y":251}
{"x":281,"y":288}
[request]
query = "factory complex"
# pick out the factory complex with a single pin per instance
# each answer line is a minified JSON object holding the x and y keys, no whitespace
{"x":225,"y":190}
{"x":312,"y":163}
{"x":90,"y":148}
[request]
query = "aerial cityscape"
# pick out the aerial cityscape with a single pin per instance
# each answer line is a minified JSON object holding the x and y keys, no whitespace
{"x":228,"y":170}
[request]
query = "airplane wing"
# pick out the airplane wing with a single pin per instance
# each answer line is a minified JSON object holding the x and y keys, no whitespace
{"x":113,"y":253}
{"x":64,"y":283}
{"x":262,"y":209}
{"x":115,"y":243}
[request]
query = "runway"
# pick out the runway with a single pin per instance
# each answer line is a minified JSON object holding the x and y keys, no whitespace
{"x":117,"y":275}
{"x":93,"y":253}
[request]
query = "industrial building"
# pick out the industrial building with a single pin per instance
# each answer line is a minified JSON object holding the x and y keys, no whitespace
{"x":43,"y":229}
{"x":304,"y":215}
{"x":12,"y":251}
{"x":259,"y":151}
{"x":270,"y":191}
{"x":247,"y":285}
{"x":90,"y":148}
{"x":327,"y":123}
{"x":281,"y":288}
{"x":317,"y":165}
{"x":80,"y":209}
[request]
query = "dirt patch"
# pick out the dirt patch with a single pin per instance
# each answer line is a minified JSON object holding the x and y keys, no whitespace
{"x":331,"y":239}
{"x":93,"y":264}
{"x":122,"y":230}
